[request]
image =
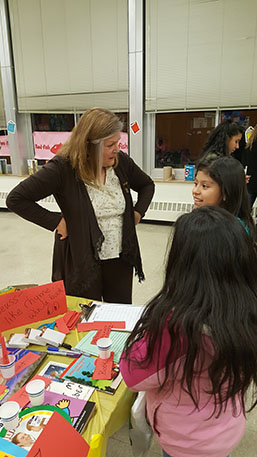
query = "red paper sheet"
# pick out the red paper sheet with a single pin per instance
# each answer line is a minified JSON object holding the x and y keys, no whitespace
{"x":68,"y":321}
{"x":61,"y":325}
{"x":25,"y":361}
{"x":59,"y":439}
{"x":103,"y":332}
{"x":21,"y":395}
{"x":32,"y":305}
{"x":4,"y":350}
{"x":2,"y":388}
{"x":68,"y":316}
{"x":73,"y":320}
{"x":87,"y":326}
{"x":103,"y":368}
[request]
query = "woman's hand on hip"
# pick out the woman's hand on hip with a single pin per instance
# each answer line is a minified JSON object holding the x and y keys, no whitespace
{"x":137,"y":217}
{"x":62,"y":229}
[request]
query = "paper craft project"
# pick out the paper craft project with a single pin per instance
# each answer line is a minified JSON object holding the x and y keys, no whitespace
{"x":81,"y":371}
{"x":5,"y":356}
{"x":53,"y":370}
{"x":103,"y":368}
{"x":20,"y":378}
{"x":52,"y":337}
{"x":97,"y":325}
{"x":31,"y":305}
{"x":118,"y":343}
{"x":68,"y":321}
{"x":116,"y":312}
{"x":27,"y":360}
{"x":62,"y":326}
{"x":59,"y":439}
{"x":103,"y":332}
{"x":79,"y":411}
{"x":31,"y":424}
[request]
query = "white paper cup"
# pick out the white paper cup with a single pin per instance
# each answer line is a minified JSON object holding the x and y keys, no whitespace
{"x":167,"y":172}
{"x":104,"y":347}
{"x":9,"y":413}
{"x":8,"y":369}
{"x":36,"y":391}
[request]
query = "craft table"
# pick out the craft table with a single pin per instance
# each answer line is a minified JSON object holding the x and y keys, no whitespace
{"x":112,"y":411}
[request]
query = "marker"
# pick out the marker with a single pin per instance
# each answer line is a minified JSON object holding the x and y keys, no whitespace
{"x":56,"y":351}
{"x":68,"y":346}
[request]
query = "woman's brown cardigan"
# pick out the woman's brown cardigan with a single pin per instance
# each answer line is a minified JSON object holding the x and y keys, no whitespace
{"x":75,"y":259}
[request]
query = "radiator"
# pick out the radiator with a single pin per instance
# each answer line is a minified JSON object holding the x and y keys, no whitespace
{"x":157,"y":211}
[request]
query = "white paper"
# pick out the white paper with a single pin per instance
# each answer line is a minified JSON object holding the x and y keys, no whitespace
{"x":52,"y":337}
{"x":17,"y":340}
{"x":117,"y":312}
{"x":71,"y":389}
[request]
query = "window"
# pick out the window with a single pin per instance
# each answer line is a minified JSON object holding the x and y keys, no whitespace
{"x":180,"y":137}
{"x":45,"y":122}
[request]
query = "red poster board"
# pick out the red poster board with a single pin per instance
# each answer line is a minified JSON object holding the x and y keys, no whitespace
{"x":59,"y":439}
{"x":32,"y":305}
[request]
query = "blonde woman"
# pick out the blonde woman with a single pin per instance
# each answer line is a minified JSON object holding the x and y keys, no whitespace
{"x":251,"y":162}
{"x":96,"y":247}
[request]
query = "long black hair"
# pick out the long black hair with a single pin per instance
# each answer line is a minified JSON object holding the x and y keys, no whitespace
{"x":210,"y":282}
{"x":216,"y":144}
{"x":229,"y":174}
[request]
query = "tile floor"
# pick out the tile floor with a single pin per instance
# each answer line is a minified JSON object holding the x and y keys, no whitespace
{"x":25,"y":257}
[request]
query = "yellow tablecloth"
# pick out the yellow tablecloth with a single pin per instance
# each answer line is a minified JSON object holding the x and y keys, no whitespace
{"x":112,"y":410}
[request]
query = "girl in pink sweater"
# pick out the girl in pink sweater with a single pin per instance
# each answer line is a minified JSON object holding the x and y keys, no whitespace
{"x":194,"y":350}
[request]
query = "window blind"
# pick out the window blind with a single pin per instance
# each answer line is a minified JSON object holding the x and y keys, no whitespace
{"x":200,"y":54}
{"x":2,"y":110}
{"x":70,"y":54}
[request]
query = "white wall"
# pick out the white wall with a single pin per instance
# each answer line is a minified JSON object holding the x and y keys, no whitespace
{"x":170,"y":198}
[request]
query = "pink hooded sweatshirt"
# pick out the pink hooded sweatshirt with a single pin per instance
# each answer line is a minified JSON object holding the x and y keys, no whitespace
{"x":181,"y":429}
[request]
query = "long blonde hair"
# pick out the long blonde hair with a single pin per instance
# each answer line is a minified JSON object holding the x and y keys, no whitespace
{"x":85,"y":146}
{"x":252,"y":138}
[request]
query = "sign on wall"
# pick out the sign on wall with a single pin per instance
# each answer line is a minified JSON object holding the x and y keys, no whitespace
{"x":47,"y":144}
{"x":4,"y":146}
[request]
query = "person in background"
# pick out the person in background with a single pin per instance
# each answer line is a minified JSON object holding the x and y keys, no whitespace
{"x":251,"y":163}
{"x":96,"y":246}
{"x":194,"y":349}
{"x":223,"y":140}
{"x":221,"y":182}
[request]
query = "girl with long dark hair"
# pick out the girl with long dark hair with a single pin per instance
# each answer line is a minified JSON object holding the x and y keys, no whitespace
{"x":224,"y":139}
{"x":194,"y":349}
{"x":221,"y":182}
